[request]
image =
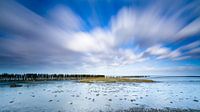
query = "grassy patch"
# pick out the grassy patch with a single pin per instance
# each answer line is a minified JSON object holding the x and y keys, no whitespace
{"x":113,"y":80}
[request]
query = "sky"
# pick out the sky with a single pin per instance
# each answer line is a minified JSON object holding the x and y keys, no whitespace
{"x":111,"y":37}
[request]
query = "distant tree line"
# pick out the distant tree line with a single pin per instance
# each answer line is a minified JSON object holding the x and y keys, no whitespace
{"x":43,"y":77}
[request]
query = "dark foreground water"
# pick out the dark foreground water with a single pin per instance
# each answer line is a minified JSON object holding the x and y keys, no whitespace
{"x":169,"y":94}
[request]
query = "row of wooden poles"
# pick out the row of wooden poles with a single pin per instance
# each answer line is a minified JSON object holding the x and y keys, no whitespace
{"x":41,"y":77}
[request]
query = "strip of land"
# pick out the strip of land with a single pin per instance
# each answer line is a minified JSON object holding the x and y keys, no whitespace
{"x":113,"y":80}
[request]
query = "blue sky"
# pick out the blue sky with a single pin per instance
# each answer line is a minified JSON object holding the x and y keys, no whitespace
{"x":113,"y":37}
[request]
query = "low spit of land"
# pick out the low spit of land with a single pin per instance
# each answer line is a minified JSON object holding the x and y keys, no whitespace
{"x":113,"y":80}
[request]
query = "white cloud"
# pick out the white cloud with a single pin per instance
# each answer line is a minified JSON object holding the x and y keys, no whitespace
{"x":65,"y":18}
{"x":194,"y":51}
{"x":138,"y":26}
{"x":158,"y":50}
{"x":172,"y":55}
{"x":164,"y":53}
{"x":190,"y":45}
{"x":97,"y":40}
{"x":190,"y":29}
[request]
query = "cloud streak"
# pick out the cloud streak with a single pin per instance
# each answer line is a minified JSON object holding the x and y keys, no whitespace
{"x":60,"y":39}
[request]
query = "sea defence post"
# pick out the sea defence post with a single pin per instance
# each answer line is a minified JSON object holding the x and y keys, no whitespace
{"x":44,"y":77}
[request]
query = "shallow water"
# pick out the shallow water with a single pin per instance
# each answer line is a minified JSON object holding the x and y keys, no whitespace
{"x":72,"y":96}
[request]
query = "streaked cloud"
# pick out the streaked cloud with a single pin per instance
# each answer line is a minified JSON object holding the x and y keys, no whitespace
{"x":132,"y":36}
